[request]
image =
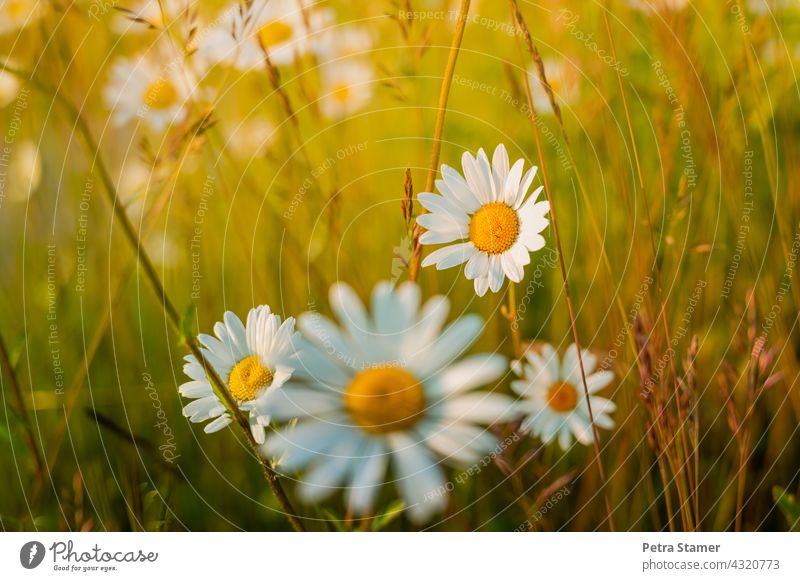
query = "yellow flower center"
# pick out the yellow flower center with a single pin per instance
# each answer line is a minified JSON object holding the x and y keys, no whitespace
{"x":341,"y":93}
{"x":160,"y":95}
{"x":274,"y":32}
{"x":384,"y":400}
{"x":562,"y":397}
{"x":494,"y":228}
{"x":248,"y":378}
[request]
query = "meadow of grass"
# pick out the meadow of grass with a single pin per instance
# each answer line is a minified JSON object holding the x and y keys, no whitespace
{"x":670,"y":150}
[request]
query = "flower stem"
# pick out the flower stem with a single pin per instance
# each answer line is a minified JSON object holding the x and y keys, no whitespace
{"x":444,"y":93}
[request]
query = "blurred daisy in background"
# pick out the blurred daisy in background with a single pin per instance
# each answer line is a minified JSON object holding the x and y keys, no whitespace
{"x":253,"y":361}
{"x":250,"y":138}
{"x":553,"y":398}
{"x":763,"y":7}
{"x":24,"y":173}
{"x":9,"y":86}
{"x":386,"y":388}
{"x":133,"y":180}
{"x":244,"y":32}
{"x":563,"y":78}
{"x":16,"y":14}
{"x":346,"y":87}
{"x":658,"y":5}
{"x":488,"y":214}
{"x":338,"y":42}
{"x":156,"y":87}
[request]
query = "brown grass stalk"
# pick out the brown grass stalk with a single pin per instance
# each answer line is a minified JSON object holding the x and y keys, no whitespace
{"x":444,"y":93}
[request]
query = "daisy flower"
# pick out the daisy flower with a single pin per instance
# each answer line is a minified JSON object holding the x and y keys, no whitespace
{"x":488,"y":214}
{"x":346,"y":87}
{"x":152,"y":87}
{"x":17,"y":14}
{"x":278,"y":26}
{"x":386,"y":389}
{"x":253,"y":360}
{"x":553,"y":398}
{"x":563,"y":79}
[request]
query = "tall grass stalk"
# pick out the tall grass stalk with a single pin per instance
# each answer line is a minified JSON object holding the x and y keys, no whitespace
{"x":444,"y":93}
{"x":517,"y":16}
{"x":683,"y":454}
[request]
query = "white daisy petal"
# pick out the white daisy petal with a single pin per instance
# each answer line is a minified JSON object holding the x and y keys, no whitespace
{"x":221,"y":422}
{"x":328,"y":472}
{"x":368,"y":478}
{"x":469,"y":373}
{"x":418,"y":477}
{"x":477,"y":266}
{"x":453,"y":341}
{"x":481,"y":285}
{"x":511,"y":183}
{"x":496,"y":275}
{"x":441,"y":205}
{"x":500,"y":163}
{"x":450,"y":256}
{"x":477,"y":181}
{"x":440,"y":237}
{"x":483,"y":408}
{"x":511,"y":268}
{"x":455,"y":187}
{"x":598,"y":380}
{"x":524,"y":185}
{"x":461,"y":443}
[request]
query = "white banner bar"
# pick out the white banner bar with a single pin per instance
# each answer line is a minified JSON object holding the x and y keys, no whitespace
{"x":401,"y":556}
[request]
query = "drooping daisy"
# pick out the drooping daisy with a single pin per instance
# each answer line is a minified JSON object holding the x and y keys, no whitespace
{"x":253,"y":361}
{"x":562,"y":77}
{"x":386,"y":389}
{"x":346,"y":87}
{"x":489,"y":212}
{"x":553,"y":398}
{"x":17,"y":14}
{"x":278,"y":26}
{"x":155,"y":87}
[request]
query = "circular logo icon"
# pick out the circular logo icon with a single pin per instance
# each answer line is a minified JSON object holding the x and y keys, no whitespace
{"x":31,"y":554}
